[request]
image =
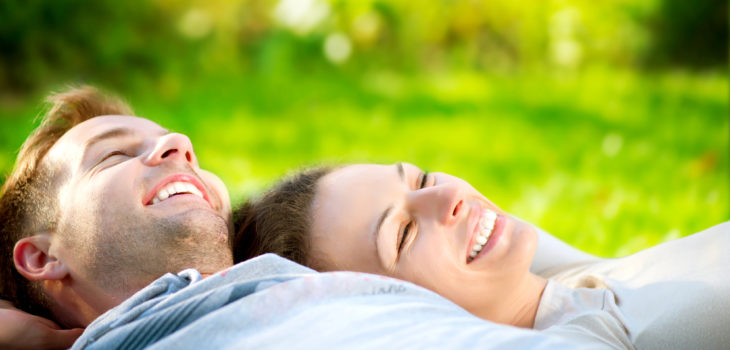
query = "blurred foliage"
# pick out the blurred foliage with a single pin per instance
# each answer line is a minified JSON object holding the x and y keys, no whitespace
{"x":604,"y":122}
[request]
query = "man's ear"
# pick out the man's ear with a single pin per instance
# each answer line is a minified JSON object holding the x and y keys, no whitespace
{"x":33,"y":261}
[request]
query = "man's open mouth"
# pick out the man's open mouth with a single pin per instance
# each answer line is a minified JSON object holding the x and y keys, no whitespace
{"x":173,"y":186}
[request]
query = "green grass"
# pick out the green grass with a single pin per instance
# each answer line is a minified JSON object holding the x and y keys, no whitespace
{"x":610,"y":161}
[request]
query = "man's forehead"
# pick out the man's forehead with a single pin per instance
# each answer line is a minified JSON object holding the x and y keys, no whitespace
{"x":99,"y":125}
{"x":71,"y":146}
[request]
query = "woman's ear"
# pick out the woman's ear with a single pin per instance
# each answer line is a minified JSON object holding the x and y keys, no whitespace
{"x":33,"y":261}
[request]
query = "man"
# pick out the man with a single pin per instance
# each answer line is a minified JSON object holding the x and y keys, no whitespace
{"x":84,"y":213}
{"x":101,"y":204}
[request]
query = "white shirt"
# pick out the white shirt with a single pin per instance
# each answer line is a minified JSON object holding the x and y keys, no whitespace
{"x":672,"y":296}
{"x":590,"y":310}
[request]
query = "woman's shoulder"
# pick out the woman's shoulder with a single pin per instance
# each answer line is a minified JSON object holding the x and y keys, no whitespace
{"x":584,"y":312}
{"x":700,"y":256}
{"x":669,"y":294}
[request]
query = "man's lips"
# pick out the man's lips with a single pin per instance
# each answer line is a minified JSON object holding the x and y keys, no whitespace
{"x":150,"y":196}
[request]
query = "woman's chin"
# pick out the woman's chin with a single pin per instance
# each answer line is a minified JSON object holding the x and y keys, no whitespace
{"x":524,"y":240}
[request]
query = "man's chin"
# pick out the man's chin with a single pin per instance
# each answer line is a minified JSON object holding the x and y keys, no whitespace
{"x":198,"y":240}
{"x":203,"y":223}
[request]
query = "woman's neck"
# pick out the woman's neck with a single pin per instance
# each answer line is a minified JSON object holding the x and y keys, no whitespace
{"x":520,"y":306}
{"x":528,"y":302}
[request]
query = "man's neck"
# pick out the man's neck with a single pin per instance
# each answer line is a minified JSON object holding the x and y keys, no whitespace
{"x":76,"y":302}
{"x":77,"y":305}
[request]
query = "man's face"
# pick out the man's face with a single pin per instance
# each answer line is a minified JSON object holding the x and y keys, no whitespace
{"x":135,"y":205}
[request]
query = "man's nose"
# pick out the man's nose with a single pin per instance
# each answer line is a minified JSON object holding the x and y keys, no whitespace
{"x":442,"y":202}
{"x":172,"y":147}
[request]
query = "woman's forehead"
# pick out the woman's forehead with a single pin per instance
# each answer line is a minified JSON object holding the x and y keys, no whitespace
{"x":343,"y":194}
{"x":346,"y":208}
{"x":356,"y":195}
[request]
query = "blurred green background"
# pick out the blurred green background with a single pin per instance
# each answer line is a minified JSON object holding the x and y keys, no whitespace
{"x":604,"y":122}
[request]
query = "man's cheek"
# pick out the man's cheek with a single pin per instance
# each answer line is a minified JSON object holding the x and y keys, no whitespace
{"x":219,"y":188}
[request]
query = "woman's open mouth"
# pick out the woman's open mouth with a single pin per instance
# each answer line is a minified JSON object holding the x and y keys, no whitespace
{"x":485,"y":229}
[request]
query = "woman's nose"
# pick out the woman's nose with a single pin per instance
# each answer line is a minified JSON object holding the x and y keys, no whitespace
{"x":172,"y":147}
{"x":442,"y":202}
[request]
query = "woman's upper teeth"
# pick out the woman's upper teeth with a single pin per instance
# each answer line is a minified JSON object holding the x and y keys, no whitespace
{"x":486,"y":225}
{"x":175,"y":188}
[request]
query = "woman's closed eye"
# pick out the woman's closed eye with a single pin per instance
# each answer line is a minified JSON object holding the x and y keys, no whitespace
{"x":409,"y":226}
{"x":404,"y":235}
{"x":422,"y":178}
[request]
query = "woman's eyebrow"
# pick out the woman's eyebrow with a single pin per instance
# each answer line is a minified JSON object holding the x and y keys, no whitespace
{"x":401,"y":171}
{"x":376,"y":231}
{"x":381,"y":220}
{"x":386,"y":212}
{"x":378,"y":226}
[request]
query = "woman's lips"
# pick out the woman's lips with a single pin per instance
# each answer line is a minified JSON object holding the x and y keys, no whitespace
{"x":487,"y":232}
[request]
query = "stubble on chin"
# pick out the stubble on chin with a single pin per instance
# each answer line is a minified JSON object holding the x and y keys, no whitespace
{"x":200,"y":244}
{"x":133,"y":255}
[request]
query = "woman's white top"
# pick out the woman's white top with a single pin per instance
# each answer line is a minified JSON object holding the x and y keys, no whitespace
{"x":672,"y":296}
{"x":584,"y":310}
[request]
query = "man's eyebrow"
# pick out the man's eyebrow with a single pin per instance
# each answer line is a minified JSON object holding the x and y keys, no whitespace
{"x":111,"y":133}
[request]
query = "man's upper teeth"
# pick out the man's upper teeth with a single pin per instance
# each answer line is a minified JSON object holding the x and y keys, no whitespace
{"x":486,"y":225}
{"x":175,"y":188}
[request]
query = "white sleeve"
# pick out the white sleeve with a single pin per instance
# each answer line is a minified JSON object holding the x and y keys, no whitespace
{"x":553,"y":255}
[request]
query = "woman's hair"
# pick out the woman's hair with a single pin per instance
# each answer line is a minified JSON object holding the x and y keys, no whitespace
{"x":280,"y":221}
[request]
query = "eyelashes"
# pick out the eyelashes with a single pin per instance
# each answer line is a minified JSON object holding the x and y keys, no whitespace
{"x":404,"y":235}
{"x":112,"y":154}
{"x":423,"y":177}
{"x":100,"y":165}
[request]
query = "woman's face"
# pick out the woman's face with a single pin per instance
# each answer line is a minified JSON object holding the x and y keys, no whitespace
{"x":434,"y":230}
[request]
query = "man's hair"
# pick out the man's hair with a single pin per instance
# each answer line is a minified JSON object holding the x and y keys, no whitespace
{"x":279,"y":222}
{"x":28,"y":200}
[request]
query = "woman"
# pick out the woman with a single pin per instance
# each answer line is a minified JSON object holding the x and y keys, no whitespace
{"x":437,"y":231}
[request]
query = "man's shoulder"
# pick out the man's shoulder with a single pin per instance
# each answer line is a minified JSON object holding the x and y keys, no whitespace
{"x":275,"y":303}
